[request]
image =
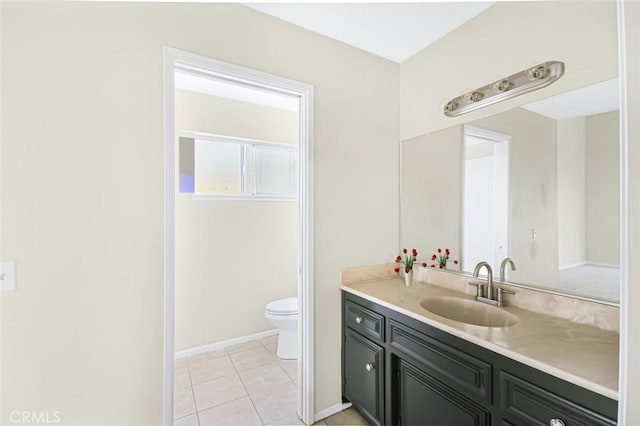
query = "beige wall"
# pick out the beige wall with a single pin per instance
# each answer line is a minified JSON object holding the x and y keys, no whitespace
{"x":571,"y":192}
{"x":82,"y":164}
{"x":412,"y":124}
{"x":505,"y":39}
{"x":232,"y":257}
{"x":223,"y":116}
{"x":532,"y":192}
{"x":603,"y":188}
{"x":432,"y":192}
{"x":589,"y":189}
{"x":563,"y":182}
{"x":82,"y":97}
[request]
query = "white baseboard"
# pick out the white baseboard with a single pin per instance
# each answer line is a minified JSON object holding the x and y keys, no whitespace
{"x":571,"y":265}
{"x":330,"y":411}
{"x":223,"y":344}
{"x":604,"y":265}
{"x":589,"y":263}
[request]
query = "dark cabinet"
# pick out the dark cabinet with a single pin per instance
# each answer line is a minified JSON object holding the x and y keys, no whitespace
{"x":466,"y":373}
{"x":364,"y":321}
{"x":423,"y":400}
{"x":524,"y":403}
{"x":398,"y":370}
{"x":363,"y":375}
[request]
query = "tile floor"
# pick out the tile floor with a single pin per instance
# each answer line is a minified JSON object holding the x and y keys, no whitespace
{"x":244,"y":385}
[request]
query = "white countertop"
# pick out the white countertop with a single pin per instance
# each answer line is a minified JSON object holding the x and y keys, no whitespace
{"x":584,"y":355}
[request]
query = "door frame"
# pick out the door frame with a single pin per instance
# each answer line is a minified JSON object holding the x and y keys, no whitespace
{"x":246,"y":76}
{"x":505,"y":144}
{"x":628,"y":219}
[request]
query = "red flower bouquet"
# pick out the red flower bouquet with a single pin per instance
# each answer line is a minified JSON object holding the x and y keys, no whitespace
{"x":441,"y":259}
{"x":407,"y":262}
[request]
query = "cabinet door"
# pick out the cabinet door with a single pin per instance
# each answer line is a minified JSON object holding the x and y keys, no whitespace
{"x":363,"y":375}
{"x":423,"y":400}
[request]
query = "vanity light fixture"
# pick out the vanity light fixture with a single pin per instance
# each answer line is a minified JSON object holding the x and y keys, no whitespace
{"x":525,"y":81}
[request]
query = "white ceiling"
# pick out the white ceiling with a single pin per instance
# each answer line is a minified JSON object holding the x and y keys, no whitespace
{"x":595,"y":99}
{"x":395,"y":31}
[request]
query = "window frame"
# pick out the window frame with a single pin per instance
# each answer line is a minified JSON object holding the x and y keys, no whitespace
{"x":247,"y":152}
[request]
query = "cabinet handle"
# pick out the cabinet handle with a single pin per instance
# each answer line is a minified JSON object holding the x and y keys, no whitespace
{"x":358,"y":320}
{"x":556,"y":422}
{"x":370,"y":367}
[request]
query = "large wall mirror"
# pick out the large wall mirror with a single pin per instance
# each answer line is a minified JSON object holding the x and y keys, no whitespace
{"x":538,"y":183}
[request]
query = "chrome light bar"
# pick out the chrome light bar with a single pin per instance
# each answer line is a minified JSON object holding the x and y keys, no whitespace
{"x":523,"y":82}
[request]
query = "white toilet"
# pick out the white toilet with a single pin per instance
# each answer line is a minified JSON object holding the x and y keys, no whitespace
{"x":283,"y":314}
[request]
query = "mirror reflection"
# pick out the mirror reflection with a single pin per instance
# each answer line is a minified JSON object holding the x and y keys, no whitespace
{"x":538,"y":183}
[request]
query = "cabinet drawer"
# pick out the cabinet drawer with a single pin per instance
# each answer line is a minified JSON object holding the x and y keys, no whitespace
{"x":527,"y":404}
{"x":464,"y":372}
{"x":364,"y":321}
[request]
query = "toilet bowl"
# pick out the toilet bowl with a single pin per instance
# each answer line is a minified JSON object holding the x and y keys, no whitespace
{"x":283,"y":314}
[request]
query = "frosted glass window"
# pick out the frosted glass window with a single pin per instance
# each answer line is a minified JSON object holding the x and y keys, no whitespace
{"x":275,"y":171}
{"x":223,"y":167}
{"x":218,"y":167}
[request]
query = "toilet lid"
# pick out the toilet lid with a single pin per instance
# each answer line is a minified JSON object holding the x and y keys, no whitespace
{"x":283,"y":306}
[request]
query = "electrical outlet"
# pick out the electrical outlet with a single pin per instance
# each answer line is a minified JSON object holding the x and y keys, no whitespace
{"x":7,"y":276}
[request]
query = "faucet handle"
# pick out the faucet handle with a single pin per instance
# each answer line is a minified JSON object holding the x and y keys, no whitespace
{"x":480,"y":292}
{"x":501,"y":292}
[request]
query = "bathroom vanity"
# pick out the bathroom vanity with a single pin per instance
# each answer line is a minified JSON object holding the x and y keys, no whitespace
{"x":404,"y":365}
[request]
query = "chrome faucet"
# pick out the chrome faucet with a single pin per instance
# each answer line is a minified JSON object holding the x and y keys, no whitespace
{"x":488,"y":297}
{"x":476,"y":273}
{"x":503,"y":266}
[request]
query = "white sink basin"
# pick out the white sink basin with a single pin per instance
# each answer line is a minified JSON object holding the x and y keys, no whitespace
{"x":468,"y":311}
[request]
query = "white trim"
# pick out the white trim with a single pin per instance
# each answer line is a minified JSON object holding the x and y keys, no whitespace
{"x":169,"y":235}
{"x":225,"y":343}
{"x":304,"y":92}
{"x":603,"y":264}
{"x":589,"y":263}
{"x":232,"y":73}
{"x":213,"y":197}
{"x":572,"y":265}
{"x":190,"y":134}
{"x":463,"y":176}
{"x":188,"y":80}
{"x":400,"y":192}
{"x":323,"y":414}
{"x":306,"y":365}
{"x":481,"y":133}
{"x":624,"y":219}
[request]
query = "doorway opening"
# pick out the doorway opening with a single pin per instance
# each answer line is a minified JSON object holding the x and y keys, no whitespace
{"x":224,"y":170}
{"x":486,"y":198}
